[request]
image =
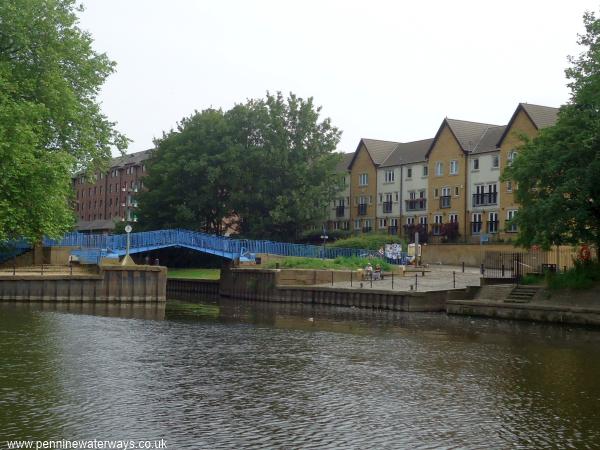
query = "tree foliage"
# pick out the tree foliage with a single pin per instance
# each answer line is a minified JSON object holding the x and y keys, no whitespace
{"x":50,"y":122}
{"x":557,"y":172}
{"x":267,"y":165}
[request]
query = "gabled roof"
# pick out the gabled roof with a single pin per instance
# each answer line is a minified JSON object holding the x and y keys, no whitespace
{"x":489,"y":140}
{"x":408,"y":152}
{"x":540,"y":116}
{"x":378,"y":150}
{"x":344,"y":164}
{"x":466,"y":133}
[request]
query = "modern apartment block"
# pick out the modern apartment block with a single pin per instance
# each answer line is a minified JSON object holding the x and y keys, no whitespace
{"x":447,"y":187}
{"x":111,"y":196}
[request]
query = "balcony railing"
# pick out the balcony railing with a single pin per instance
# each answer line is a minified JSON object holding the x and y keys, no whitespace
{"x":387,"y":207}
{"x":510,"y":227}
{"x":436,"y":229}
{"x":366,"y":229}
{"x":492,"y":226}
{"x":362,"y":209}
{"x":484,"y":199}
{"x":340,"y":210}
{"x":445,"y":201}
{"x":419,"y":204}
{"x":393,"y":230}
{"x":476,"y":227}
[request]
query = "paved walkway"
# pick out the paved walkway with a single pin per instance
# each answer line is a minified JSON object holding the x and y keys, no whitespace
{"x":437,"y":279}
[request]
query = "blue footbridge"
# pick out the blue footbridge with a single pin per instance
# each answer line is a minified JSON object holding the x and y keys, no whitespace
{"x":90,"y":249}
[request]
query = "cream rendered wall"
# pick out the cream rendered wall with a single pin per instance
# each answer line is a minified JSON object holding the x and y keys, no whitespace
{"x":415,"y":184}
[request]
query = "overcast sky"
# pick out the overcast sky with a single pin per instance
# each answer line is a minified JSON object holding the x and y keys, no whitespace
{"x":380,"y":69}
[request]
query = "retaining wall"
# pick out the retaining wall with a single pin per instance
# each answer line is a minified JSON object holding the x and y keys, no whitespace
{"x":111,"y":283}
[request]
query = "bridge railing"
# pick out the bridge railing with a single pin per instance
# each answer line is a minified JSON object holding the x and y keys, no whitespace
{"x":218,"y":244}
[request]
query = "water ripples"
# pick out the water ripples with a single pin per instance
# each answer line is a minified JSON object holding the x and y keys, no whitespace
{"x":263,"y":376}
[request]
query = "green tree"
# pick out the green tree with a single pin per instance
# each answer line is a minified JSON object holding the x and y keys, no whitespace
{"x":558,"y":171}
{"x":191,"y":175}
{"x":50,"y":122}
{"x":268,"y":164}
{"x":287,"y":176}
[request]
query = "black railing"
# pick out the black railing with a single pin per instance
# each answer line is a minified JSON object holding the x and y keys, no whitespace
{"x":445,"y":201}
{"x":487,"y":198}
{"x":393,"y":230}
{"x":514,"y":265}
{"x":366,"y":229}
{"x":492,"y":226}
{"x":476,"y":227}
{"x":339,"y":211}
{"x":436,"y":229}
{"x":387,"y":207}
{"x":419,"y":204}
{"x":362,"y":209}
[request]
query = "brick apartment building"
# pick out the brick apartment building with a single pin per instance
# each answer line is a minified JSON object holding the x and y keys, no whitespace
{"x":111,"y":197}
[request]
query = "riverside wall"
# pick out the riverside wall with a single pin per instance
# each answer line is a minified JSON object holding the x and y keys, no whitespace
{"x":264,"y":285}
{"x":110,"y":284}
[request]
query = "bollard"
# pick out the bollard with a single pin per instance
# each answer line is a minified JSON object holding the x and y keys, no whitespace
{"x":502,"y":270}
{"x":454,"y":278}
{"x":332,"y":277}
{"x":482,"y":269}
{"x":463,"y":266}
{"x":371,"y":280}
{"x":416,"y":281}
{"x":350,"y":278}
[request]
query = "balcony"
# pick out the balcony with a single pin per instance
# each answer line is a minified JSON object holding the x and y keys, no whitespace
{"x":476,"y":227}
{"x":510,"y":227}
{"x":366,"y":229}
{"x":445,"y":201}
{"x":419,"y":204}
{"x":393,"y":230}
{"x":340,"y":210}
{"x":485,"y":199}
{"x":492,"y":226}
{"x":362,"y":209}
{"x":387,"y":207}
{"x":436,"y":229}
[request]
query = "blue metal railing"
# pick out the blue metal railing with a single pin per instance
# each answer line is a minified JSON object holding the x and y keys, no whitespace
{"x":97,"y":246}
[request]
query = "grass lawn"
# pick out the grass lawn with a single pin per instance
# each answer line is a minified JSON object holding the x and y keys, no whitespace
{"x":341,"y":262}
{"x":200,"y":274}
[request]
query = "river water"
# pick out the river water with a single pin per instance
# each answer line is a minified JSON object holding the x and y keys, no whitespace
{"x":227,"y":374}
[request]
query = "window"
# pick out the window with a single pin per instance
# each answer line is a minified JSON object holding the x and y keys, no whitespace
{"x":395,"y":196}
{"x":511,"y":227}
{"x":363,"y":179}
{"x":412,"y":195}
{"x":456,"y":191}
{"x":493,"y":222}
{"x":422,"y":193}
{"x":389,"y":176}
{"x":453,"y":167}
{"x":425,"y":171}
{"x":409,"y":172}
{"x":423,"y":220}
{"x":436,"y":193}
{"x":476,"y":223}
{"x":446,"y":192}
{"x":393,"y":222}
{"x":509,"y":186}
{"x":410,"y":221}
{"x":476,"y":164}
{"x":380,"y":198}
{"x":495,"y":161}
{"x":382,"y":223}
{"x":437,"y":224}
{"x":453,"y":218}
{"x":512,"y":155}
{"x":439,"y":169}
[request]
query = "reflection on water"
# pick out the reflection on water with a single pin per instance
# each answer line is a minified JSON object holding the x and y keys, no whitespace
{"x":217,"y":373}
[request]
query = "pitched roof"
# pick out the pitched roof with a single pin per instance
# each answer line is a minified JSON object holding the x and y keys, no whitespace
{"x":377,"y":149}
{"x":131,"y":158}
{"x":489,"y":139}
{"x":540,"y":116}
{"x":467,"y":134}
{"x":344,"y":164}
{"x":408,"y":152}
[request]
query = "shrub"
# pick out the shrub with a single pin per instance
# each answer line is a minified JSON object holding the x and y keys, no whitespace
{"x":371,"y":241}
{"x":339,"y":263}
{"x":582,"y":276}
